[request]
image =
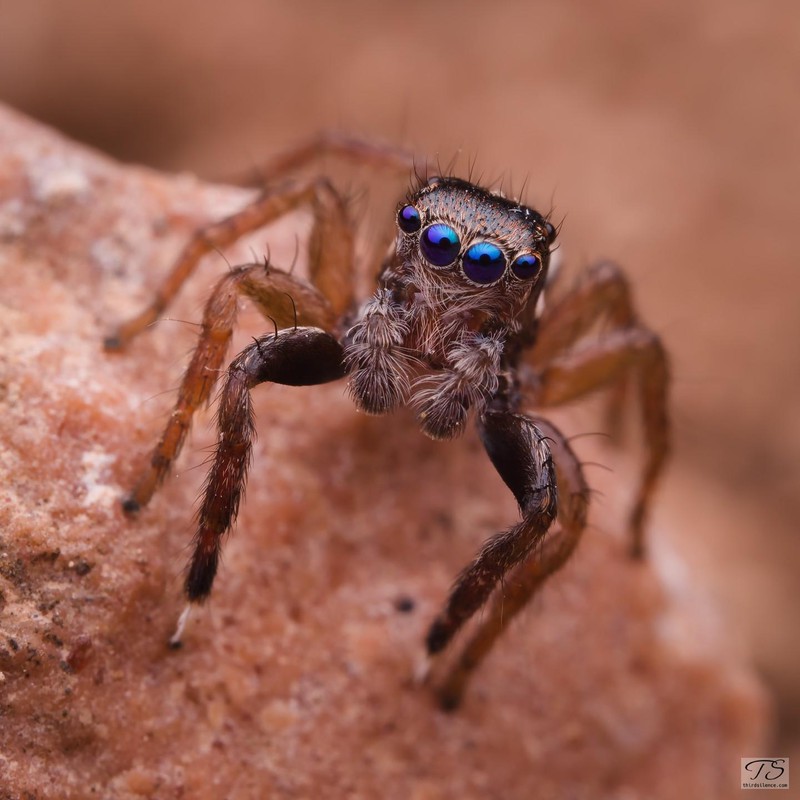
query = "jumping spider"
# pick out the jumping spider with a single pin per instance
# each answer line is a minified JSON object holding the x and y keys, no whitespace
{"x":455,"y":326}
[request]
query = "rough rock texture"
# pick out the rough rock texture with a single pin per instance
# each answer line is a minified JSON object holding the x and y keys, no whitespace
{"x":295,"y":680}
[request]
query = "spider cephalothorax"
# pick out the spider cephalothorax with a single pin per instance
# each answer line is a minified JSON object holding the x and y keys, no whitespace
{"x":465,"y":266}
{"x":455,"y":327}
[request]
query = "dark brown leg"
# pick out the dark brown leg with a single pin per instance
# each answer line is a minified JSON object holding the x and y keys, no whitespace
{"x":524,"y":581}
{"x":601,"y":363}
{"x":271,"y":290}
{"x":521,"y":455}
{"x":294,"y":357}
{"x":331,"y":257}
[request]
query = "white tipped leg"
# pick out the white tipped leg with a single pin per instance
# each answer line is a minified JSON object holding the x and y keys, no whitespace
{"x":422,"y":670}
{"x":176,"y":638}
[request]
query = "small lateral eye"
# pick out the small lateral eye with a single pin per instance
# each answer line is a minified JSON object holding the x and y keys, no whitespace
{"x":484,"y":263}
{"x":526,"y":266}
{"x":552,"y":232}
{"x":408,"y":219}
{"x":440,"y":245}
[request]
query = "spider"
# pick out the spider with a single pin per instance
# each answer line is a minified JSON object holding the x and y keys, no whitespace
{"x":456,"y":327}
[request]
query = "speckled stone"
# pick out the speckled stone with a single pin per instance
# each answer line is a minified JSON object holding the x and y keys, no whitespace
{"x":295,"y":680}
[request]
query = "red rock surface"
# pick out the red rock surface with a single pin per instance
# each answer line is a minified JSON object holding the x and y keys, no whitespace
{"x":619,"y":682}
{"x":663,"y":134}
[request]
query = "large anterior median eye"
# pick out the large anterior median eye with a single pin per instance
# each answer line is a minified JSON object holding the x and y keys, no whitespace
{"x":484,"y":263}
{"x":526,"y":266}
{"x":439,"y":244}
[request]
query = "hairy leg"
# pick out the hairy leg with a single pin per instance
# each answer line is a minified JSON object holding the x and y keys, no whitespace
{"x":277,"y":295}
{"x":294,"y":357}
{"x":525,"y":579}
{"x":602,"y":362}
{"x":331,"y":249}
{"x":521,"y":455}
{"x":332,"y":143}
{"x":602,"y":294}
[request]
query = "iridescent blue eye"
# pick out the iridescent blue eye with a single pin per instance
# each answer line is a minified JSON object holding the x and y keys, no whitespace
{"x":439,"y":244}
{"x":526,"y":266}
{"x":408,"y":219}
{"x":484,"y":263}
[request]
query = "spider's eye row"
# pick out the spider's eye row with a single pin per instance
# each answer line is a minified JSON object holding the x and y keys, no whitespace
{"x":440,"y":245}
{"x":526,"y":266}
{"x":484,"y":263}
{"x":408,"y":219}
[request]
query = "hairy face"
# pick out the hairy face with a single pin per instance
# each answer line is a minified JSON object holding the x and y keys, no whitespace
{"x":467,"y":269}
{"x":459,"y":244}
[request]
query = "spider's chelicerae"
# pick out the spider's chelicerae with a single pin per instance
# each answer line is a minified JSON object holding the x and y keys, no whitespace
{"x":456,"y":327}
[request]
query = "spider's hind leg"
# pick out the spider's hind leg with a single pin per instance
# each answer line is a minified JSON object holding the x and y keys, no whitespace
{"x":601,"y":296}
{"x":571,"y":360}
{"x":359,"y":150}
{"x":330,"y":262}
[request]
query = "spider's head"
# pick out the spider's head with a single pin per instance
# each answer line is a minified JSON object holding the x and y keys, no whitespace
{"x":465,"y":245}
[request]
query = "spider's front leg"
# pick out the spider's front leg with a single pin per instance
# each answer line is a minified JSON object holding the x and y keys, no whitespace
{"x":528,"y":576}
{"x":294,"y":357}
{"x":283,"y":299}
{"x":521,"y":454}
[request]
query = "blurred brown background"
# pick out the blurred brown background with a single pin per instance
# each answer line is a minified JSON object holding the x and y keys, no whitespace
{"x":665,"y":135}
